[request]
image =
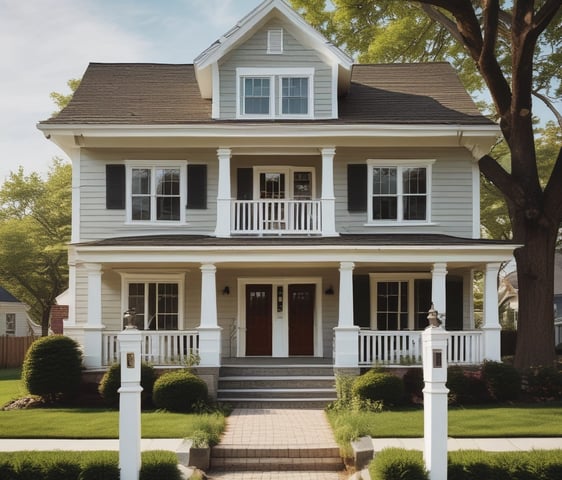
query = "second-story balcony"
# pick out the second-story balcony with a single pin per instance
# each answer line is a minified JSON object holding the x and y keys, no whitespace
{"x":277,"y":217}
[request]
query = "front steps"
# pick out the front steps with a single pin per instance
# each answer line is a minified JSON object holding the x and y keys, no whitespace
{"x":289,"y":383}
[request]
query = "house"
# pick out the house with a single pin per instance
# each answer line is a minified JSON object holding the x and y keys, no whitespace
{"x":14,"y":320}
{"x":274,"y":201}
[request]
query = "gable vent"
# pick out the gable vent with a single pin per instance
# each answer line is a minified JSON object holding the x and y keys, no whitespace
{"x":275,"y":41}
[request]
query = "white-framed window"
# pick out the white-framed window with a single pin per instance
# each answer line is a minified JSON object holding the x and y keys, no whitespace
{"x":275,"y":93}
{"x":275,"y":41}
{"x":400,"y":301}
{"x":399,"y":191}
{"x":156,"y":298}
{"x":156,"y":192}
{"x":10,"y":324}
{"x":292,"y":183}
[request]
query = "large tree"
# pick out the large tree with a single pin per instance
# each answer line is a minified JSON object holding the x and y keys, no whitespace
{"x":35,"y":216}
{"x":515,"y":48}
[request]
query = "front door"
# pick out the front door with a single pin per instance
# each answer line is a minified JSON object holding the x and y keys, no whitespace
{"x":301,"y":319}
{"x":258,"y":319}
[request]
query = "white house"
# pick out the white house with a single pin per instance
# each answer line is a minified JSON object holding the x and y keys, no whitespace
{"x":14,"y":320}
{"x":274,"y":201}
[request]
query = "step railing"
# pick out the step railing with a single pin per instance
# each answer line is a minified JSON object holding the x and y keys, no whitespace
{"x":162,"y":347}
{"x":276,"y":217}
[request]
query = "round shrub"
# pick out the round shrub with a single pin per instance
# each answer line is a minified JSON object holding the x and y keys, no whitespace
{"x":111,"y":382}
{"x":503,"y":381}
{"x":379,"y":386}
{"x":52,"y":367}
{"x":179,"y":391}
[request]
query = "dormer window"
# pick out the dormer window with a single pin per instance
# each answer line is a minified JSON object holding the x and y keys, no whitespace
{"x":275,"y":93}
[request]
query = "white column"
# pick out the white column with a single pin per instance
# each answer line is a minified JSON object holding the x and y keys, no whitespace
{"x":94,"y":326}
{"x":130,"y":404}
{"x":209,"y":331}
{"x":439,"y":289}
{"x":491,"y":327}
{"x":435,"y":423}
{"x":346,"y":334}
{"x":224,"y":197}
{"x":328,"y":197}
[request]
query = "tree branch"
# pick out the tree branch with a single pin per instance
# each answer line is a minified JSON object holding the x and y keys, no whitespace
{"x":496,"y":174}
{"x":550,"y":105}
{"x":438,"y":17}
{"x":545,"y":14}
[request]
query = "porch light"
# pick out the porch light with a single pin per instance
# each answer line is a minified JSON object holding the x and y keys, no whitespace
{"x":226,"y":290}
{"x":129,"y":319}
{"x":329,"y":290}
{"x":433,"y":317}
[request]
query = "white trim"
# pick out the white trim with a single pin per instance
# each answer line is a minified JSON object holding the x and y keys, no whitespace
{"x":475,"y":201}
{"x":282,"y":349}
{"x":216,"y":102}
{"x":335,"y":99}
{"x":275,"y":34}
{"x":75,"y":156}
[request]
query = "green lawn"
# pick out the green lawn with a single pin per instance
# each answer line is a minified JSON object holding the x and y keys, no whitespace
{"x":10,"y":385}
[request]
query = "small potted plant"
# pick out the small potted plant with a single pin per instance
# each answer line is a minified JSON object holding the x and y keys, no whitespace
{"x":200,"y":451}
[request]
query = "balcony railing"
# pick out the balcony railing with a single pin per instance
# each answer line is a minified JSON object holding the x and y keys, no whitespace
{"x":279,"y":217}
{"x":405,"y":348}
{"x":162,"y":347}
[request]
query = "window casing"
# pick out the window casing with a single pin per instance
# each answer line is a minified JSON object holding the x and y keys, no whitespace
{"x":10,"y":324}
{"x":398,"y":191}
{"x":156,"y":193}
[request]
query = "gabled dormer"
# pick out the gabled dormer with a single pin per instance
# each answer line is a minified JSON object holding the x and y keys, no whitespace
{"x":273,"y":66}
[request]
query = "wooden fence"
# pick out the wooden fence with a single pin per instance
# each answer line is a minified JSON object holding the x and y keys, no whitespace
{"x":12,"y":350}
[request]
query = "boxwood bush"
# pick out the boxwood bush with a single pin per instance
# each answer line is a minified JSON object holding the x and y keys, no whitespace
{"x":502,"y":380}
{"x":111,"y":382}
{"x":180,"y":391}
{"x":379,"y":386}
{"x":52,"y":367}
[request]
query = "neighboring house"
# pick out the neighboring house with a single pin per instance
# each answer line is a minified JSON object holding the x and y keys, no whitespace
{"x":14,"y":320}
{"x":273,"y":199}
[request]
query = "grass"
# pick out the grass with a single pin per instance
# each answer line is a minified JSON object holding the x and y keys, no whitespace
{"x":10,"y":385}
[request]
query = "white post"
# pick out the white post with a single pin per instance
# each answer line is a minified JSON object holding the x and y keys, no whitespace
{"x":209,"y":331}
{"x":130,"y":404}
{"x":439,"y":289}
{"x":94,"y":327}
{"x":435,"y":424}
{"x":346,"y":334}
{"x":224,"y":197}
{"x":328,"y":197}
{"x":491,"y":327}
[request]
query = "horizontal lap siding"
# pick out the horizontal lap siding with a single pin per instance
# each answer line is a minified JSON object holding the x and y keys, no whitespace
{"x":253,"y":54}
{"x":451,"y":190}
{"x":97,"y":222}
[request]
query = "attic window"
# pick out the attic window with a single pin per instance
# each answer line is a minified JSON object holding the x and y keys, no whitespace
{"x":275,"y":41}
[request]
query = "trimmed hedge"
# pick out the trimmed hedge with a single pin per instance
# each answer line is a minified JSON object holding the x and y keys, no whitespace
{"x":52,"y":367}
{"x":503,"y":381}
{"x":180,"y":391}
{"x":398,"y":464}
{"x":379,"y":386}
{"x":111,"y":382}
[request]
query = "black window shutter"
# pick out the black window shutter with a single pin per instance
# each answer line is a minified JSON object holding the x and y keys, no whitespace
{"x":357,"y":188}
{"x":454,"y":303}
{"x":115,"y":187}
{"x":361,"y":301}
{"x":197,"y":187}
{"x":244,"y":184}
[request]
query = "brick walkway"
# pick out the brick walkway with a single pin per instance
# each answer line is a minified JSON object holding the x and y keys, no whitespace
{"x":288,"y":432}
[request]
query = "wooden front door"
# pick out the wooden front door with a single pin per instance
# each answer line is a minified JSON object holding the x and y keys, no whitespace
{"x":301,"y":319}
{"x":258,"y":319}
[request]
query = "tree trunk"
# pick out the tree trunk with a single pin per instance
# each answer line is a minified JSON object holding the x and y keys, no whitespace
{"x":45,"y":317}
{"x":535,"y":276}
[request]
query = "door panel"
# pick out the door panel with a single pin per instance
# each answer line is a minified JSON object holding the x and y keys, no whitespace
{"x":301,"y":319}
{"x":258,"y":319}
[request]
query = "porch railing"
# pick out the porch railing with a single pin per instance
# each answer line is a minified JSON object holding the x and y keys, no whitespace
{"x":162,"y":347}
{"x":405,"y":348}
{"x":276,"y":217}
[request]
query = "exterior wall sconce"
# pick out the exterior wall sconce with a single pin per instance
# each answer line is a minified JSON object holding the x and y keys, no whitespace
{"x":129,"y":318}
{"x":329,"y":290}
{"x":226,"y":290}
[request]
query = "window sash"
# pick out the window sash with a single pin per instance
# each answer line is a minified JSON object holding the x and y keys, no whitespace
{"x":10,"y":324}
{"x":156,"y":304}
{"x":294,"y":95}
{"x":257,"y":95}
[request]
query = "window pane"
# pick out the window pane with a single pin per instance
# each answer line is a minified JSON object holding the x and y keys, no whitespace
{"x":414,"y":180}
{"x":256,"y":96}
{"x":415,"y":208}
{"x":168,"y":181}
{"x":167,"y":306}
{"x":136,"y":301}
{"x":168,"y":208}
{"x":140,"y":208}
{"x":392,"y":305}
{"x":384,"y":208}
{"x":141,"y":181}
{"x":10,"y":324}
{"x":294,"y":93}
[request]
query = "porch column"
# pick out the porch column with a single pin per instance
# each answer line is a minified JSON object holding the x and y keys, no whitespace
{"x":491,"y":326}
{"x":438,"y":289}
{"x":94,"y":326}
{"x":209,"y":331}
{"x":224,"y":196}
{"x":328,"y":197}
{"x":346,"y":334}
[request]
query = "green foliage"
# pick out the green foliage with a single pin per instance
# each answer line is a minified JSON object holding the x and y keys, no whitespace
{"x":61,"y":100}
{"x":61,"y":469}
{"x":544,"y":383}
{"x":466,"y":386}
{"x":111,"y":382}
{"x":179,"y":391}
{"x":207,"y":429}
{"x":347,"y":401}
{"x":159,"y":465}
{"x":398,"y":464}
{"x":53,"y":367}
{"x":413,"y":383}
{"x":379,"y":387}
{"x":502,"y":380}
{"x":7,"y":471}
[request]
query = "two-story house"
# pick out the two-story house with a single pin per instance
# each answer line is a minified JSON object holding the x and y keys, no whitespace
{"x":274,"y":200}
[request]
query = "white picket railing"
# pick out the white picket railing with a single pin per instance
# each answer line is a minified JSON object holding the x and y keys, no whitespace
{"x":557,"y":331}
{"x":162,"y":347}
{"x":276,"y":216}
{"x":405,"y":347}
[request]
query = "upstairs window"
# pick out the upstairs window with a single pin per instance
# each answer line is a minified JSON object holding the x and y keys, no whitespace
{"x":257,"y":96}
{"x":294,"y":96}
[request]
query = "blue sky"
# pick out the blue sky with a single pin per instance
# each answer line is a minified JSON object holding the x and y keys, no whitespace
{"x":44,"y":43}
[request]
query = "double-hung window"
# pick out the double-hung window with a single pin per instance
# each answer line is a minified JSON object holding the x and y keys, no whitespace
{"x":257,"y":94}
{"x":399,"y":192}
{"x":10,"y":324}
{"x":294,"y":96}
{"x":156,"y":193}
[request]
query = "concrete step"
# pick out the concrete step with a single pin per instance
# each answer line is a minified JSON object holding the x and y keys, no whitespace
{"x":270,"y":381}
{"x":266,"y":393}
{"x":276,"y":370}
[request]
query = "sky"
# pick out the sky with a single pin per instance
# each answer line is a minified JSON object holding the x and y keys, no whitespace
{"x":45,"y":43}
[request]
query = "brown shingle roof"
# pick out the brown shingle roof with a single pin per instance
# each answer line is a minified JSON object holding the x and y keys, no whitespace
{"x":164,"y":94}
